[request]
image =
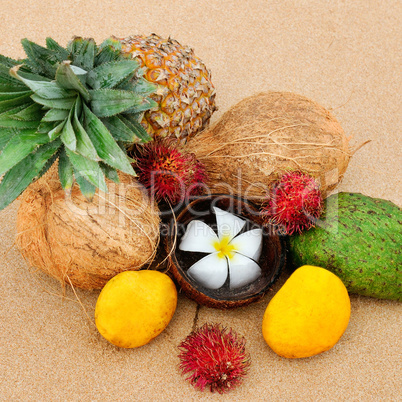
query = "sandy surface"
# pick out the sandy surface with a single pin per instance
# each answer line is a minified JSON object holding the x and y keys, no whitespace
{"x":344,"y":55}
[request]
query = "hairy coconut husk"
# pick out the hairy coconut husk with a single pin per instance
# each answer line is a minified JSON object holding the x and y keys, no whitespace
{"x":84,"y":243}
{"x":266,"y":135}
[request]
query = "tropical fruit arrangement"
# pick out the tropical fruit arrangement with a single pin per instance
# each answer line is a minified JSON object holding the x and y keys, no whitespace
{"x":124,"y":187}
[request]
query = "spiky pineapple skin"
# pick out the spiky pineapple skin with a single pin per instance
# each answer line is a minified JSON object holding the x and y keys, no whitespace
{"x":360,"y":241}
{"x":186,"y":95}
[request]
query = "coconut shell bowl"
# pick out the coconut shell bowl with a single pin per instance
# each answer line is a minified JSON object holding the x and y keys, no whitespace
{"x":271,"y":260}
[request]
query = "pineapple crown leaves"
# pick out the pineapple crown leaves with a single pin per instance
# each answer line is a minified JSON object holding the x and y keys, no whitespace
{"x":79,"y":104}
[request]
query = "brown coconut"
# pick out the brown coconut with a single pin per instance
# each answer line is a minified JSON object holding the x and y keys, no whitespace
{"x":264,"y":136}
{"x":84,"y":243}
{"x":272,"y":260}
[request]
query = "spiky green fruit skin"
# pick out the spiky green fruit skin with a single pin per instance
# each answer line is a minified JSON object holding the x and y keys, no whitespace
{"x":359,"y":239}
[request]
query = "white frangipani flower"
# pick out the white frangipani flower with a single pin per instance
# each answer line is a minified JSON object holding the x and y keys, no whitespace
{"x":229,"y":253}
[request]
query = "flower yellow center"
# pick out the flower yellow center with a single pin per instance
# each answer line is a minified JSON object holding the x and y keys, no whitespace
{"x":225,"y":249}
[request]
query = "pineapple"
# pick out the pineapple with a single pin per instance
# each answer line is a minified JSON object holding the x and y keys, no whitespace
{"x":80,"y":105}
{"x":185,"y":94}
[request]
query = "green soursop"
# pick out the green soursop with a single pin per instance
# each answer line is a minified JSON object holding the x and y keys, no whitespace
{"x":359,"y":239}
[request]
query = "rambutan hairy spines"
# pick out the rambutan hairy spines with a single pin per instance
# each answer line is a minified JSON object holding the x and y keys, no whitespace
{"x":214,"y":357}
{"x":294,"y":203}
{"x":200,"y":177}
{"x":168,"y":173}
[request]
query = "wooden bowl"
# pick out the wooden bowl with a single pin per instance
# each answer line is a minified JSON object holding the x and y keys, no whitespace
{"x":272,"y":258}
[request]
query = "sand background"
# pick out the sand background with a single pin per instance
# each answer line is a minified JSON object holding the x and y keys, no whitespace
{"x":346,"y":55}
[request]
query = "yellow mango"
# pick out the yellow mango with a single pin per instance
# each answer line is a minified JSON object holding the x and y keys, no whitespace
{"x":308,"y":315}
{"x":134,"y":307}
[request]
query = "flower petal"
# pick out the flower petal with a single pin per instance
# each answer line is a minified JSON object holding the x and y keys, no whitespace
{"x":199,"y":237}
{"x":242,"y":271}
{"x":210,"y":272}
{"x":229,"y":225}
{"x":249,"y":243}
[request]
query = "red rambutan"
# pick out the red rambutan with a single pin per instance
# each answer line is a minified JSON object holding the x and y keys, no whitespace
{"x":168,"y":173}
{"x":214,"y":357}
{"x":294,"y":203}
